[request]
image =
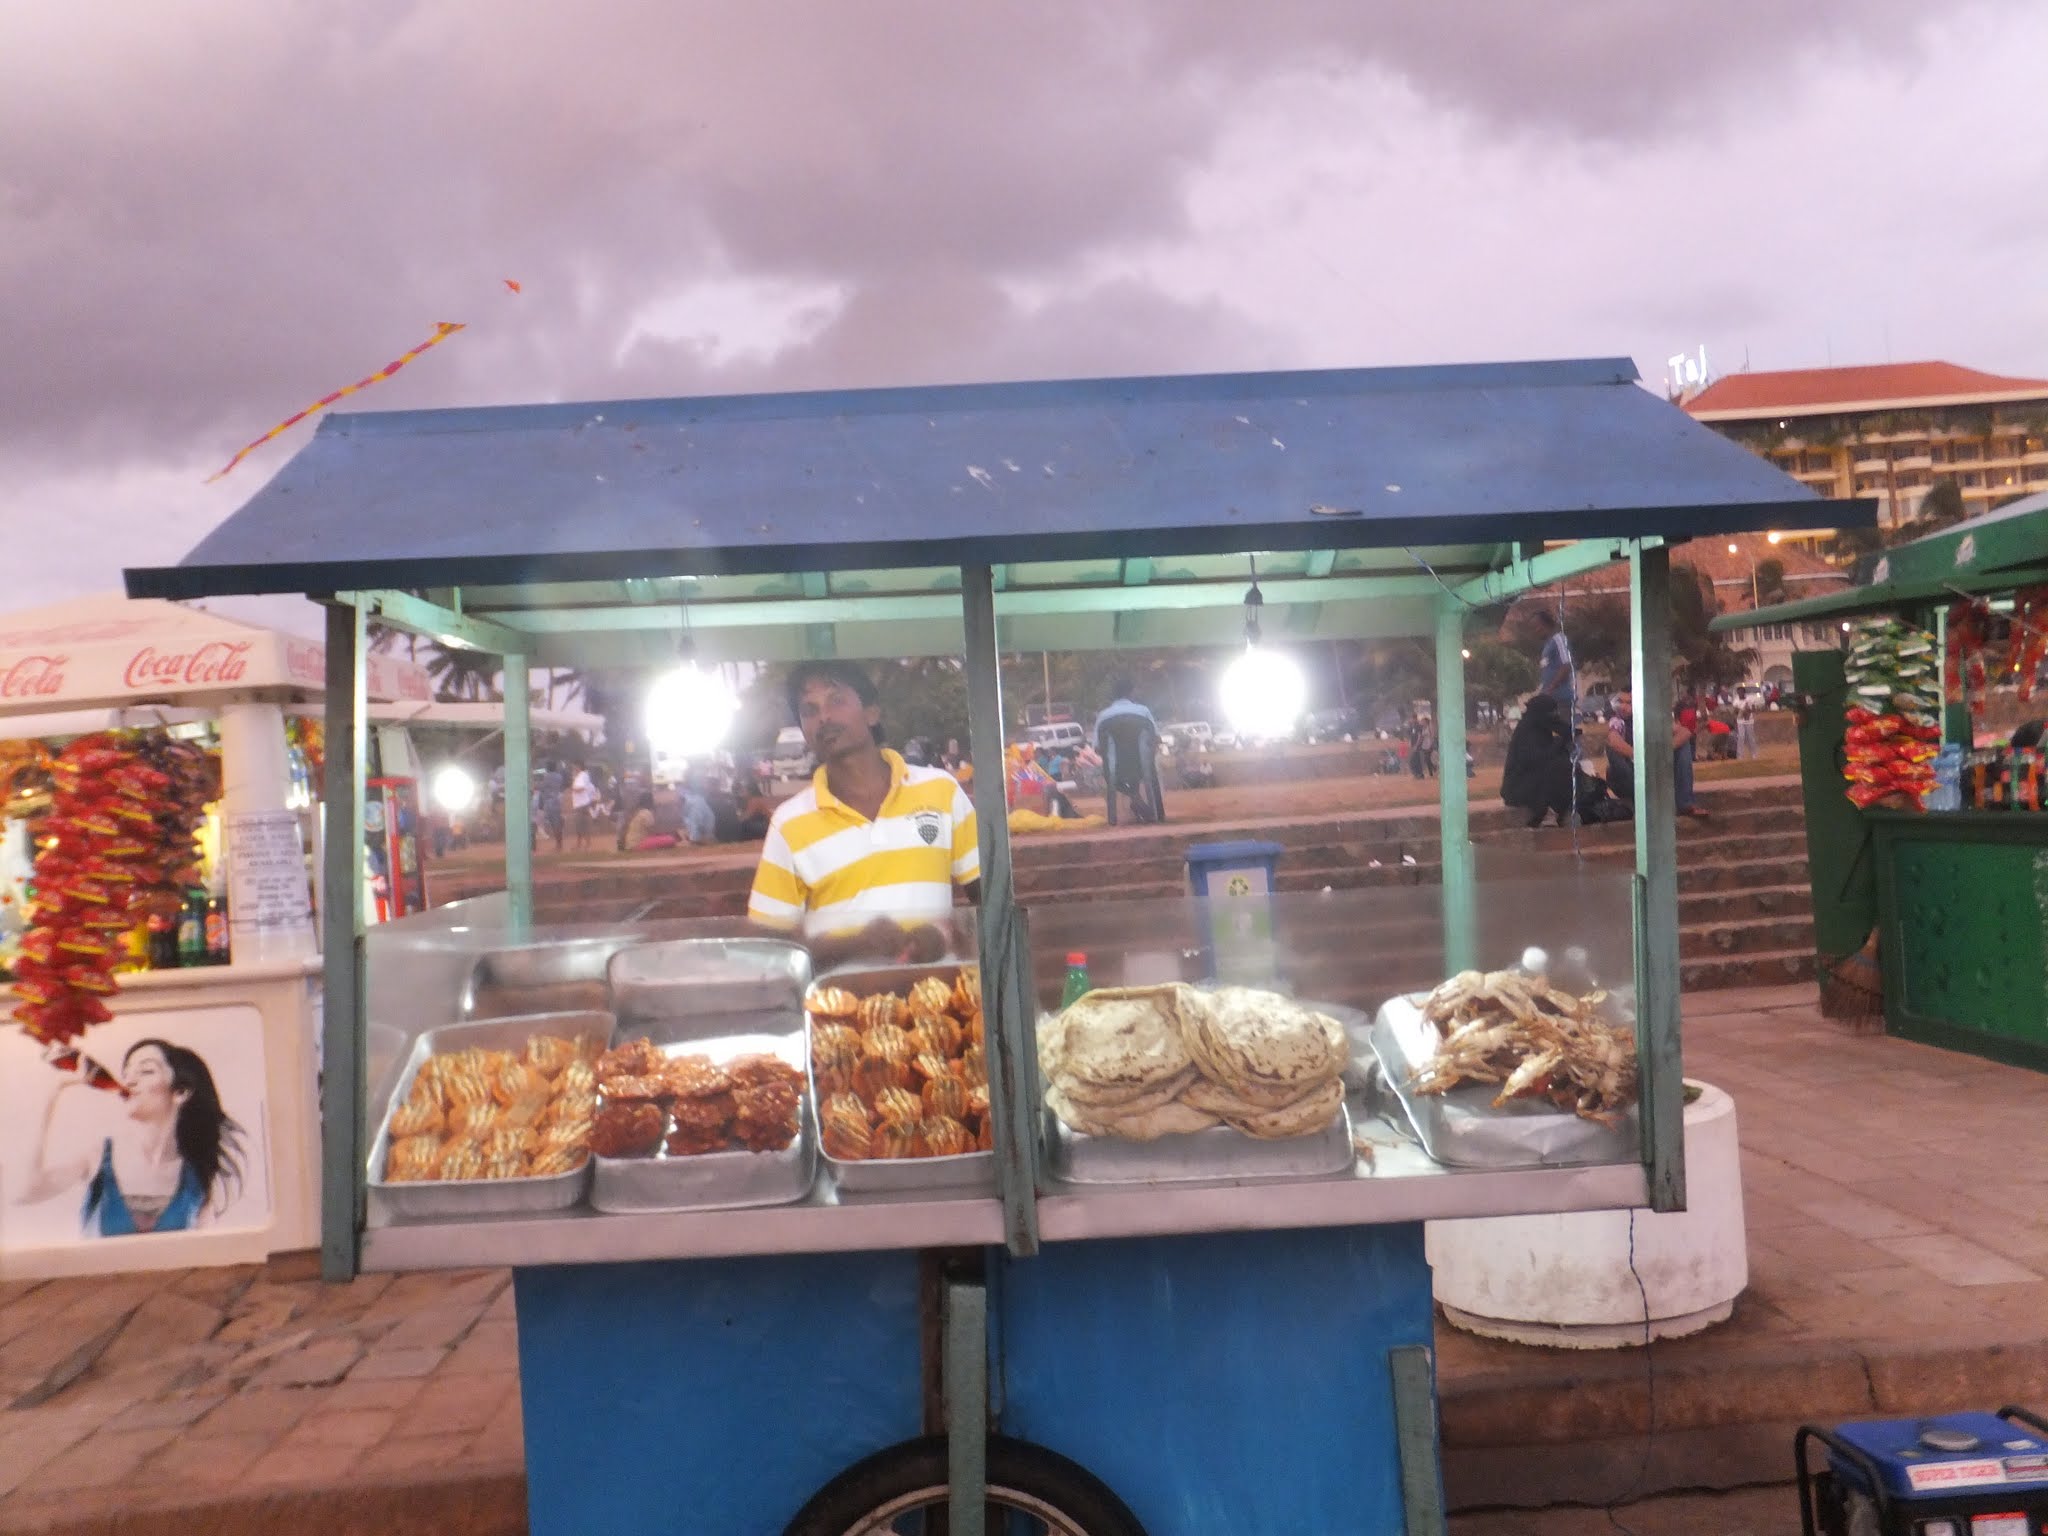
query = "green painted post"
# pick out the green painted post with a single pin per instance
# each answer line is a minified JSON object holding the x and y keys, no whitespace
{"x":1657,"y":976}
{"x":1007,"y":1001}
{"x":1413,"y":1369}
{"x":518,"y":795}
{"x":965,"y":1373}
{"x":1460,"y":914}
{"x":344,"y":1036}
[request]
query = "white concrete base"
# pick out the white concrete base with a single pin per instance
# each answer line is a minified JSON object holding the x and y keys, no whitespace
{"x":1565,"y":1279}
{"x":1589,"y":1335}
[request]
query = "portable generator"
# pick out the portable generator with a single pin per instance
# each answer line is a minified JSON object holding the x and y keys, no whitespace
{"x":1958,"y":1474}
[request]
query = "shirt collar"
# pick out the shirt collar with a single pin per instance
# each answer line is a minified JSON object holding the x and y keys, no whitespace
{"x":827,"y":801}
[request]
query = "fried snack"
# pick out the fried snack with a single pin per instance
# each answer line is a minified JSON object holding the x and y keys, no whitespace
{"x":522,"y":1112}
{"x":511,"y":1141}
{"x":708,"y":1115}
{"x":580,"y":1076}
{"x":984,"y":1134}
{"x":888,"y":1042}
{"x":551,"y":1160}
{"x":460,"y":1160}
{"x":571,"y":1109}
{"x":844,"y":1129}
{"x":417,"y":1118}
{"x":937,"y":1034}
{"x":974,"y":1066}
{"x":1533,"y":1039}
{"x":568,"y":1133}
{"x":931,"y":995}
{"x":466,"y":1085}
{"x":882,"y":1008}
{"x":509,"y":1165}
{"x":943,"y":1136}
{"x":413,"y":1157}
{"x":898,"y":1106}
{"x":835,"y":1052}
{"x":833,"y":1037}
{"x":761,"y":1067}
{"x":627,"y":1130}
{"x":832,"y":1003}
{"x":471,"y":1059}
{"x":977,"y":1099}
{"x":472,"y":1120}
{"x":967,"y":993}
{"x":929,"y":1066}
{"x":636,"y":1058}
{"x":892,"y":1141}
{"x":695,"y":1141}
{"x":946,"y":1096}
{"x":549,"y":1054}
{"x":628,"y":1090}
{"x":696,"y":1077}
{"x":766,"y":1116}
{"x":871,"y":1075}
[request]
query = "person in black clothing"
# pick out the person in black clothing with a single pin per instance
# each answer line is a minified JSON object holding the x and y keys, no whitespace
{"x":1537,"y":777}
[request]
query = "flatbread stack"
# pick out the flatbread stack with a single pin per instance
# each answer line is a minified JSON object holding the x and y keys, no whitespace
{"x":1139,"y":1063}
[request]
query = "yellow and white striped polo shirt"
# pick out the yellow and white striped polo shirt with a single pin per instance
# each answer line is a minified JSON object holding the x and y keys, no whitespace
{"x":828,"y":868}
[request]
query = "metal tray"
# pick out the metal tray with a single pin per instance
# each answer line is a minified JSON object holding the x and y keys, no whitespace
{"x":715,"y":1181}
{"x":1462,"y":1129}
{"x":678,"y":979}
{"x":1218,"y":1155}
{"x":564,"y":976}
{"x":479,"y":1197}
{"x":973,"y":1172}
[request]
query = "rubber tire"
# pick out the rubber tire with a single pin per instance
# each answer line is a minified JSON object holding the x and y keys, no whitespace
{"x":1070,"y":1488}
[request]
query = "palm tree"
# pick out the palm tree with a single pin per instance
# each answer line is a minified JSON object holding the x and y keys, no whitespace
{"x":462,"y":674}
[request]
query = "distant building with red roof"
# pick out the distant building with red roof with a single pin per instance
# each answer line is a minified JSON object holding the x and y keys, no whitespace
{"x":1890,"y":431}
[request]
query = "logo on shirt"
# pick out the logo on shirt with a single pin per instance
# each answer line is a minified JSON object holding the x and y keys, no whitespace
{"x":927,"y":824}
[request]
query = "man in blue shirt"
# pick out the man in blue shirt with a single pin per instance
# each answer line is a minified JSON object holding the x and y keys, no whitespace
{"x":1556,"y":675}
{"x":1128,"y":738}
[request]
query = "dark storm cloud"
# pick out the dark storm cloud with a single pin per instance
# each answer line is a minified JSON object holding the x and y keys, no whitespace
{"x":212,"y":213}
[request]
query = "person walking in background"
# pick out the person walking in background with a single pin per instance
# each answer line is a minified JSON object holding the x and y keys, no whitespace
{"x":1745,"y":729}
{"x":582,"y":805}
{"x":1128,"y":738}
{"x":1422,"y":746}
{"x":1556,"y":677}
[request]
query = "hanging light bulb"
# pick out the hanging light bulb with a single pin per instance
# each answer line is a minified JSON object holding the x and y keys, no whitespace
{"x":454,"y":788}
{"x":1263,"y":691}
{"x":689,"y":711}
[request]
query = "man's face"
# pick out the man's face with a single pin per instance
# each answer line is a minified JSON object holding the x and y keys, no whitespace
{"x":834,"y":721}
{"x":1622,"y":705}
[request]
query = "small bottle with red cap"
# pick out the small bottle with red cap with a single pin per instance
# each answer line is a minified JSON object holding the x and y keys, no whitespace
{"x":1077,"y":978}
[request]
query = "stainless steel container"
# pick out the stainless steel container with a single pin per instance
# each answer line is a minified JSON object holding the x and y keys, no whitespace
{"x":562,"y":976}
{"x":1219,"y":1155}
{"x":714,"y":1181}
{"x":657,"y":989}
{"x":966,"y":1172}
{"x":439,"y":1200}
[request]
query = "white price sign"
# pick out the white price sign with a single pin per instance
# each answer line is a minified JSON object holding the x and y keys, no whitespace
{"x":267,"y":888}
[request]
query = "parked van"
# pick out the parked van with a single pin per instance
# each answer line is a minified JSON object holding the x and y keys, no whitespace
{"x":1063,"y":737}
{"x":790,"y":758}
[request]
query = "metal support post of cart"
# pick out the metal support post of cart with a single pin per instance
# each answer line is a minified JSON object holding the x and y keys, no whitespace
{"x":1109,"y":1289}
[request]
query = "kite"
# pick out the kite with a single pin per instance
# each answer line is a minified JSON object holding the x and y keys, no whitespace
{"x":442,"y":332}
{"x":511,"y":283}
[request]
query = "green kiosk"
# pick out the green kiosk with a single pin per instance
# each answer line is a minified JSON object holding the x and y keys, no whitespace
{"x":1957,"y":899}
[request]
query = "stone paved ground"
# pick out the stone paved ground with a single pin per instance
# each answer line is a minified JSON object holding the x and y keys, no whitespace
{"x":1897,"y":1204}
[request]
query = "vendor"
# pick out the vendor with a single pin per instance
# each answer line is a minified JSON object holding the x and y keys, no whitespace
{"x":874,"y":846}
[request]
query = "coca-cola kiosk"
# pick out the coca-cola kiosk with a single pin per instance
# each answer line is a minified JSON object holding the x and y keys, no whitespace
{"x":392,"y":827}
{"x":251,"y":1024}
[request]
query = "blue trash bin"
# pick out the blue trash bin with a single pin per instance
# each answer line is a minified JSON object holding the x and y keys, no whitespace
{"x":1233,"y":885}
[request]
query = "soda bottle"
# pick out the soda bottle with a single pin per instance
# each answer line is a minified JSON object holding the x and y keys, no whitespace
{"x":192,"y":928}
{"x":1077,"y":979}
{"x":217,"y":930}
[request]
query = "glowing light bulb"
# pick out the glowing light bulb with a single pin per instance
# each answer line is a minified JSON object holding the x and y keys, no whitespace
{"x":1263,"y":692}
{"x":454,"y":788}
{"x":689,"y":711}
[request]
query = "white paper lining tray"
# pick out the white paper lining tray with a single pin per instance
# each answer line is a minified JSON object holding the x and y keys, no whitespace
{"x":442,"y":1199}
{"x":1462,"y":1129}
{"x":715,"y":1181}
{"x":1219,"y":1155}
{"x":655,"y":985}
{"x":963,"y":1173}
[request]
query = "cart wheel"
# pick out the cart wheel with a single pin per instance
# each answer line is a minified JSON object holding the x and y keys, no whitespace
{"x":902,"y":1490}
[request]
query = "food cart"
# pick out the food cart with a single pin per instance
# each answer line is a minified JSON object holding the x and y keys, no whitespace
{"x":1224,"y":1328}
{"x":95,"y":664}
{"x":1955,"y":896}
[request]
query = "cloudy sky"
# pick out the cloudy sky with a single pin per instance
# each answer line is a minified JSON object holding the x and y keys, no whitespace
{"x":212,"y":212}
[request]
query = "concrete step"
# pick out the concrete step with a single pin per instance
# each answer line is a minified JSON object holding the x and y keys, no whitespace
{"x":1770,"y":901}
{"x":1759,"y":968}
{"x":1756,"y":936}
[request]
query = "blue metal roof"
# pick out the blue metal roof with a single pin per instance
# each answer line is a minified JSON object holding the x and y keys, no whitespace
{"x":995,"y":473}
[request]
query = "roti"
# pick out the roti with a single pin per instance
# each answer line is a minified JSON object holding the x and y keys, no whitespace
{"x":1168,"y":1119}
{"x":1307,"y":1114}
{"x":1093,"y":1098}
{"x":1250,"y":1040}
{"x":1126,"y":1038}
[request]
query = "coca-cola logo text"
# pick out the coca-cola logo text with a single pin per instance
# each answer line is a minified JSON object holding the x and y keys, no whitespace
{"x":33,"y":677}
{"x":218,"y":661}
